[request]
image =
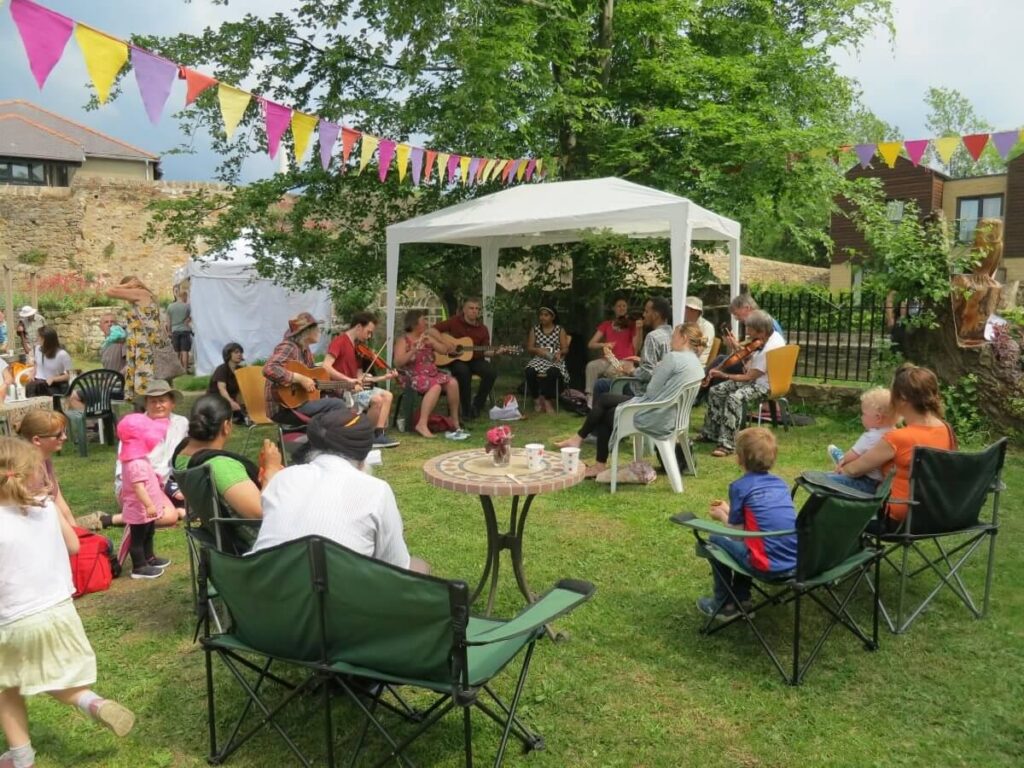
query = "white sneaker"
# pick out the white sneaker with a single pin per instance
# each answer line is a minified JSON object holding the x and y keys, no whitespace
{"x":835,"y":453}
{"x":458,"y":434}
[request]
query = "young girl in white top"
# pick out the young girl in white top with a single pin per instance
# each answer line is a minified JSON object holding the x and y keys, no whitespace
{"x":43,"y":647}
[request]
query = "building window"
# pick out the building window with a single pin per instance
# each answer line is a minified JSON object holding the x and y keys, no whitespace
{"x":971,"y":210}
{"x":22,"y":172}
{"x":894,"y":210}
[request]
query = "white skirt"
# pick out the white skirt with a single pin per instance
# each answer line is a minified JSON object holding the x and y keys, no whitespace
{"x":47,"y":651}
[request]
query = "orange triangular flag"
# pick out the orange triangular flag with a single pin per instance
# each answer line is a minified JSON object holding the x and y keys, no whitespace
{"x":196,"y":82}
{"x":945,"y":147}
{"x":366,"y":148}
{"x":104,"y":56}
{"x":232,"y":106}
{"x":428,"y":165}
{"x":402,"y":152}
{"x":890,"y":150}
{"x":348,"y":140}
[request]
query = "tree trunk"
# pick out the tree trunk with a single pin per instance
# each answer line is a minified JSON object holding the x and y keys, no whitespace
{"x":938,"y":349}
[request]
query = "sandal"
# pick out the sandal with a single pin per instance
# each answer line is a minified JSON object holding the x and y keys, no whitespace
{"x":721,"y":452}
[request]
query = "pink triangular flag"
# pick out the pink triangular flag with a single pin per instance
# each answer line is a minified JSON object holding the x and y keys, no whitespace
{"x":416,"y":158}
{"x":386,"y":148}
{"x":328,"y":134}
{"x":510,"y":171}
{"x":154,"y":76}
{"x":277,"y":117}
{"x":916,"y":149}
{"x":196,"y":83}
{"x":1004,"y":141}
{"x":975,"y":144}
{"x":865,"y":153}
{"x":530,"y":166}
{"x":453,"y":164}
{"x":44,"y":34}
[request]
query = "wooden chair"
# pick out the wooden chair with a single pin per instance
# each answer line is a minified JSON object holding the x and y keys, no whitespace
{"x":251,"y":382}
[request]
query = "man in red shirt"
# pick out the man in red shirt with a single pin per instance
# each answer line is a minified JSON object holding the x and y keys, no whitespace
{"x":342,"y":364}
{"x":468,"y":324}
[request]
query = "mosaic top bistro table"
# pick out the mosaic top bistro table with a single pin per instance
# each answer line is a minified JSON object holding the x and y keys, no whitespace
{"x":474,"y":472}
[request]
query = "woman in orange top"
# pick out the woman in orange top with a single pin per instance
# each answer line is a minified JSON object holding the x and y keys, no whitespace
{"x":915,"y":397}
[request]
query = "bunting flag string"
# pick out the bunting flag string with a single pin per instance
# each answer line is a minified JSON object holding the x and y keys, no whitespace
{"x":45,"y":34}
{"x":1004,"y":143}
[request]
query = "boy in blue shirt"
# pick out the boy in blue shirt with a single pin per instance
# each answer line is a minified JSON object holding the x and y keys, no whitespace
{"x":758,"y":501}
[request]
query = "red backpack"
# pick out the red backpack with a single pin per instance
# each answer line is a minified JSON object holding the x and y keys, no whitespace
{"x":90,"y":568}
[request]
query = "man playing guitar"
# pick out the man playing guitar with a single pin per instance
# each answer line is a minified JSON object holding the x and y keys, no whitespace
{"x":303,"y":332}
{"x":468,"y":323}
{"x":342,"y":363}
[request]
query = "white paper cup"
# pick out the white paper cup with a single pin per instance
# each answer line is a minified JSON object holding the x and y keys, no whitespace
{"x":571,"y":460}
{"x":534,"y":456}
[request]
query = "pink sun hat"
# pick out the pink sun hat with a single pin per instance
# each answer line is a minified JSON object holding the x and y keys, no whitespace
{"x":139,"y":435}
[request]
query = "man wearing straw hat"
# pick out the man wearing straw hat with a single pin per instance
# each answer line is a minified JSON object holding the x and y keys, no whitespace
{"x":29,"y":323}
{"x":303,"y":332}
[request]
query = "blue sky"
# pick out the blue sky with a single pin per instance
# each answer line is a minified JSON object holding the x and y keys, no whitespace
{"x":973,"y":47}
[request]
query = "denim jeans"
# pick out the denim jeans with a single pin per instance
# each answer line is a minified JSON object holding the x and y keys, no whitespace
{"x":864,"y":484}
{"x":723,"y":575}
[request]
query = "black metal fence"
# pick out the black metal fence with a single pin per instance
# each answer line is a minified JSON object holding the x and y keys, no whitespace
{"x":841,"y":336}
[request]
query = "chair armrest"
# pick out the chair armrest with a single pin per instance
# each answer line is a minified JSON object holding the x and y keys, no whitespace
{"x":237,"y":521}
{"x":619,"y":383}
{"x":562,"y":598}
{"x":710,"y":526}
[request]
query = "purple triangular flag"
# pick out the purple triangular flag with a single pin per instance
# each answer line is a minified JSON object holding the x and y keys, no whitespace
{"x":453,"y":165}
{"x":1005,"y":141}
{"x":278,"y":117}
{"x":328,"y":133}
{"x":865,"y":153}
{"x":416,"y":158}
{"x":473,"y":165}
{"x":386,"y":150}
{"x":511,"y":171}
{"x":529,"y":168}
{"x":154,"y":76}
{"x":44,"y":35}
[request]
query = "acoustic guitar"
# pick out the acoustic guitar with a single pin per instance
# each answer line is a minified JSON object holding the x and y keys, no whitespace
{"x":464,"y":350}
{"x":293,"y":395}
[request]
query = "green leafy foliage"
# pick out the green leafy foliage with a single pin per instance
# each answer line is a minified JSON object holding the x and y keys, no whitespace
{"x":33,"y":258}
{"x":962,"y":411}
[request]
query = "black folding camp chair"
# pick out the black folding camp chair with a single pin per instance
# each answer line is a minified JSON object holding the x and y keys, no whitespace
{"x":833,"y":558}
{"x":948,"y":492}
{"x":361,"y":625}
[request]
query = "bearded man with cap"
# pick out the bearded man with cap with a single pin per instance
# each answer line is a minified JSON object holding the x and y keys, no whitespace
{"x":693,"y":312}
{"x":331,"y":496}
{"x":303,"y":332}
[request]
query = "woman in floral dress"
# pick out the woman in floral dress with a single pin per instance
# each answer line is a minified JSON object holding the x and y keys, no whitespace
{"x":414,"y":359}
{"x":144,"y":334}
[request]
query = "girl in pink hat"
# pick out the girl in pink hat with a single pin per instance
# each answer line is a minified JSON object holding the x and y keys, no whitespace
{"x":142,"y":498}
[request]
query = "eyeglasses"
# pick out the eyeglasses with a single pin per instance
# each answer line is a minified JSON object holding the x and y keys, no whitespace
{"x":57,"y":435}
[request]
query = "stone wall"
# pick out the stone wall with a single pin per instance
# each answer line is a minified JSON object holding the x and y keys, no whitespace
{"x":94,"y":228}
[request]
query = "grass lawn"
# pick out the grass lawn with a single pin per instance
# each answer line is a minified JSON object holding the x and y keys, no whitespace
{"x":635,"y":684}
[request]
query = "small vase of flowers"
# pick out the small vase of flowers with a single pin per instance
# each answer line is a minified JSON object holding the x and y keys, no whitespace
{"x":499,"y":445}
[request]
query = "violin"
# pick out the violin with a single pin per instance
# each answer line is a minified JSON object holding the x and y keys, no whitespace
{"x":374,"y":360}
{"x":735,"y":358}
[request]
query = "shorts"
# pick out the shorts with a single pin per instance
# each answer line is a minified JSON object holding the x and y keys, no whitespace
{"x":181,"y":341}
{"x":362,"y":399}
{"x":46,"y":651}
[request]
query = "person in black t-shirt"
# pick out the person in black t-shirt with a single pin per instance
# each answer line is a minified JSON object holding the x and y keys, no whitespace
{"x":224,"y":383}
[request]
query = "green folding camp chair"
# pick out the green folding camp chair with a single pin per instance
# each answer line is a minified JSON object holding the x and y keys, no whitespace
{"x":343,"y":617}
{"x":208,"y":524}
{"x":948,"y":491}
{"x":833,"y":558}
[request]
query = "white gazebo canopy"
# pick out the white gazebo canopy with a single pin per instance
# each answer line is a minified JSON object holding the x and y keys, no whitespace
{"x":564,"y":212}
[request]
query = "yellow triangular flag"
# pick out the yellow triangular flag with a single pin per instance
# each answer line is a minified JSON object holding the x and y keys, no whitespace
{"x":104,"y":56}
{"x":521,"y":169}
{"x":442,"y":166}
{"x":302,"y":131}
{"x":890,"y":150}
{"x":538,"y":170}
{"x":946,"y":146}
{"x":366,"y":150}
{"x":498,"y":168}
{"x":464,"y":168}
{"x":488,"y":168}
{"x":402,"y":152}
{"x":232,"y":106}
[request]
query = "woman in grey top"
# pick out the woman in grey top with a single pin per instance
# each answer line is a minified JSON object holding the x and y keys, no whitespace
{"x":671,"y":375}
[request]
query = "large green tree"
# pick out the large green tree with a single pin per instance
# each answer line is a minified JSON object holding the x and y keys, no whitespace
{"x":723,"y":101}
{"x":950,"y":113}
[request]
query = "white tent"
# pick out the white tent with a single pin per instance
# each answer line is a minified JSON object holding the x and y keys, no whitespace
{"x":564,"y":212}
{"x":231,"y":303}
